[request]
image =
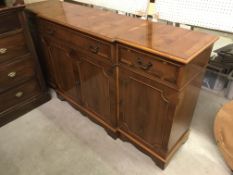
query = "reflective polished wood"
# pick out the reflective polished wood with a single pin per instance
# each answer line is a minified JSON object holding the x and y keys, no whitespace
{"x":137,"y":79}
{"x":156,"y":38}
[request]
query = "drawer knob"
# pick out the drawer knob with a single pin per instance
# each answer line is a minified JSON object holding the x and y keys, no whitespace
{"x":144,"y":66}
{"x":12,"y":74}
{"x":19,"y":94}
{"x":94,"y":50}
{"x":3,"y":50}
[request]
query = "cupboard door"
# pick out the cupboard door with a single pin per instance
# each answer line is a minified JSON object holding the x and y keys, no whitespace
{"x":98,"y":89}
{"x":66,"y":76}
{"x":143,"y":109}
{"x":47,"y":62}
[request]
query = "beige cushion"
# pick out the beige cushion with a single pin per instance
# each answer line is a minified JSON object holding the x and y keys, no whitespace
{"x":223,"y":130}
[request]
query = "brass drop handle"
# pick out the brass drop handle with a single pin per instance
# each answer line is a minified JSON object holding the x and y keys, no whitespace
{"x":3,"y":51}
{"x":94,"y":50}
{"x":19,"y":94}
{"x":144,"y":66}
{"x":12,"y":74}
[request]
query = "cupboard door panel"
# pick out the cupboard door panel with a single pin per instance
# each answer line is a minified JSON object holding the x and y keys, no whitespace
{"x":64,"y":61}
{"x":97,"y":86}
{"x":47,"y":62}
{"x":143,"y":110}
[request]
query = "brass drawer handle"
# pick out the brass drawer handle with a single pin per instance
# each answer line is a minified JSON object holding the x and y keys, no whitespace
{"x":144,"y":66}
{"x":12,"y":74}
{"x":3,"y":51}
{"x":94,"y":50}
{"x":19,"y":94}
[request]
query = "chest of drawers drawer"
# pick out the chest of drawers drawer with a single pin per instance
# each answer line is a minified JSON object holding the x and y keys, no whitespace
{"x":86,"y":43}
{"x":15,"y":71}
{"x":18,"y":94}
{"x":9,"y":22}
{"x":12,"y":46}
{"x":148,"y":64}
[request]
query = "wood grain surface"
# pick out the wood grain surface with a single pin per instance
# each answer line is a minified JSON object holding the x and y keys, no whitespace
{"x":174,"y":43}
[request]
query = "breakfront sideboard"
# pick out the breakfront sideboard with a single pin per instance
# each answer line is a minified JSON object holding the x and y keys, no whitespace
{"x":139,"y":80}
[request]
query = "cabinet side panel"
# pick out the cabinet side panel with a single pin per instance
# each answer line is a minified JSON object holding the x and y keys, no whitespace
{"x":188,"y":97}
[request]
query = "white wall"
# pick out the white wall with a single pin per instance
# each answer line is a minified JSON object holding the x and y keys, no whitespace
{"x":129,"y":6}
{"x":212,"y":14}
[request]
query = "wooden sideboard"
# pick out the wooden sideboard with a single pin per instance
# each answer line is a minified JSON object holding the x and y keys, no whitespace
{"x":139,"y":80}
{"x":22,"y":86}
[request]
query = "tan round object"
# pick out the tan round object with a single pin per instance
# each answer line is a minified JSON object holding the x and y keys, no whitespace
{"x":223,"y":131}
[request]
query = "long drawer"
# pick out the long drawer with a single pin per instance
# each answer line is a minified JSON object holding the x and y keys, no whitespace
{"x":92,"y":45}
{"x":15,"y":71}
{"x":19,"y":94}
{"x":148,"y":64}
{"x":12,"y":46}
{"x":9,"y":22}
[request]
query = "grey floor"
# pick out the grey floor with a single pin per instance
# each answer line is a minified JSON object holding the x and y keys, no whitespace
{"x":55,"y":139}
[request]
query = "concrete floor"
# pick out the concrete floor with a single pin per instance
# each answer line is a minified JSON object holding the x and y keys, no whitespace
{"x":55,"y":139}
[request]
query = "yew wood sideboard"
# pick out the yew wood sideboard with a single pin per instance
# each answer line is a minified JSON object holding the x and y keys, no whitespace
{"x":22,"y":86}
{"x":138,"y":79}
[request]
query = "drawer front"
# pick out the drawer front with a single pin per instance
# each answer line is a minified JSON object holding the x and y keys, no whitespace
{"x":9,"y":22}
{"x":88,"y":44}
{"x":149,"y":64}
{"x":12,"y":46}
{"x":18,"y":94}
{"x":16,"y":71}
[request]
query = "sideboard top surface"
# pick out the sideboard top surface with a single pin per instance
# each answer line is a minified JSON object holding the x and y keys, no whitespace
{"x":174,"y":43}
